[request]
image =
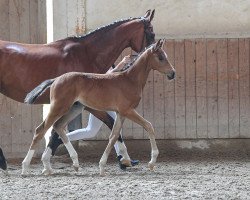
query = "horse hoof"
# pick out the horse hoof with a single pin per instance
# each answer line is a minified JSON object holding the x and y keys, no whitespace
{"x":127,"y":163}
{"x":47,"y":172}
{"x":151,"y":166}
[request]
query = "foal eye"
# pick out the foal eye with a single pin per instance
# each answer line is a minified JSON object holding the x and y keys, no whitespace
{"x":160,"y":57}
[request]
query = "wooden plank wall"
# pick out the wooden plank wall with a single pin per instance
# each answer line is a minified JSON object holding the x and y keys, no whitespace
{"x":20,"y":21}
{"x":208,"y":99}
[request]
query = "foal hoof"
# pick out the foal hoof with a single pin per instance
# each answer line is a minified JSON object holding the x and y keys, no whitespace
{"x":47,"y":172}
{"x":25,"y":170}
{"x":151,"y":166}
{"x":102,"y":173}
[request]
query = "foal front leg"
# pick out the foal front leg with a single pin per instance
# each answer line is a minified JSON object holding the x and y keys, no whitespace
{"x":134,"y":116}
{"x":112,"y":139}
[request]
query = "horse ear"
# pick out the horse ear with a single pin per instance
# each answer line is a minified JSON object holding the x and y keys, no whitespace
{"x":147,"y":13}
{"x":152,"y":15}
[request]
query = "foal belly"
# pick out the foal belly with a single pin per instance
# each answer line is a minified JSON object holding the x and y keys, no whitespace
{"x":98,"y":102}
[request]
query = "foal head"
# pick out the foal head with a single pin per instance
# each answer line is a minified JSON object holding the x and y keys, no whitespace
{"x":145,"y":36}
{"x":159,"y":60}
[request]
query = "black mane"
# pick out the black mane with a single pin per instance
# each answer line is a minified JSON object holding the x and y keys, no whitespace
{"x":107,"y":27}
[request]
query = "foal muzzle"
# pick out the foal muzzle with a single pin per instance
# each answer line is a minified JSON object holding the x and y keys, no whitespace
{"x":171,"y":75}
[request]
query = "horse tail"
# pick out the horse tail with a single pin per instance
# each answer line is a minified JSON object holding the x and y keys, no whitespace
{"x":38,"y":91}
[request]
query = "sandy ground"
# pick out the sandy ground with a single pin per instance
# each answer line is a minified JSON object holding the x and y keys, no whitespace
{"x":176,"y":177}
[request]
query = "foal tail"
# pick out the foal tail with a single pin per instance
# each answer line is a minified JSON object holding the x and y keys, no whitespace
{"x":38,"y":91}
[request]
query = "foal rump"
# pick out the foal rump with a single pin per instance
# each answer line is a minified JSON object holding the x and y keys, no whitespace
{"x":38,"y":91}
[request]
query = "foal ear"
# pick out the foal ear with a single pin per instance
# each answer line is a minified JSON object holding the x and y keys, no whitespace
{"x":162,"y":42}
{"x":157,"y":45}
{"x":147,"y":13}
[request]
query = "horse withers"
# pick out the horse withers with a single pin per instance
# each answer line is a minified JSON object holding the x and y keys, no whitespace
{"x":24,"y":66}
{"x":118,"y":91}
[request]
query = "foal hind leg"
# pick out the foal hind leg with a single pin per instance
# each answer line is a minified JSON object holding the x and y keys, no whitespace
{"x":75,"y":110}
{"x":60,"y":127}
{"x":112,"y":139}
{"x":134,"y":116}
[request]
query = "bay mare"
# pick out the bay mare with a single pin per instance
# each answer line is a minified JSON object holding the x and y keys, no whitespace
{"x":118,"y":91}
{"x":24,"y":66}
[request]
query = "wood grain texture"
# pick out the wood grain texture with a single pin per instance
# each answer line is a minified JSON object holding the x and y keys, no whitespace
{"x":233,"y":87}
{"x":201,"y":87}
{"x":222,"y":89}
{"x":169,"y":94}
{"x":180,"y":95}
{"x":212,"y":88}
{"x":190,"y":87}
{"x":244,"y":87}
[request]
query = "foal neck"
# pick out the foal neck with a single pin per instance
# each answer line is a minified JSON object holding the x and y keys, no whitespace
{"x":140,"y":69}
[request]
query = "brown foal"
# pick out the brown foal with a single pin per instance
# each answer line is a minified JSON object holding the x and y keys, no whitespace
{"x":118,"y":91}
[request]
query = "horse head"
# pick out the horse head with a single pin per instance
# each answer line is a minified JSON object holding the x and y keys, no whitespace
{"x":145,"y":35}
{"x":159,"y":60}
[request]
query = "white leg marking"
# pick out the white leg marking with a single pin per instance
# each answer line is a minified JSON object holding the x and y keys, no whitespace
{"x":122,"y":150}
{"x":26,"y":162}
{"x":102,"y":163}
{"x":46,"y":161}
{"x":73,"y":155}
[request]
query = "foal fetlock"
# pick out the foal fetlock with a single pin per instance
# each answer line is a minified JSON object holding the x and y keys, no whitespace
{"x":73,"y":155}
{"x":46,"y":162}
{"x":154,"y":156}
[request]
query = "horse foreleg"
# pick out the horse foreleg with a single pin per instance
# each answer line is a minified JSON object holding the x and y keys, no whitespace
{"x":112,"y":139}
{"x":3,"y":163}
{"x":134,"y":116}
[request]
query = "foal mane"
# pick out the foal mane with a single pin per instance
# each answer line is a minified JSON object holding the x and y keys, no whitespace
{"x":106,"y":28}
{"x":131,"y":63}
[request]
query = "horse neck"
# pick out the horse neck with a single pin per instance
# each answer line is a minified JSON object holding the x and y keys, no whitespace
{"x":140,"y":70}
{"x":105,"y":52}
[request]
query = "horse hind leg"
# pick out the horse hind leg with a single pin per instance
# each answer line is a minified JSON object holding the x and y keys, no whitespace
{"x":3,"y":163}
